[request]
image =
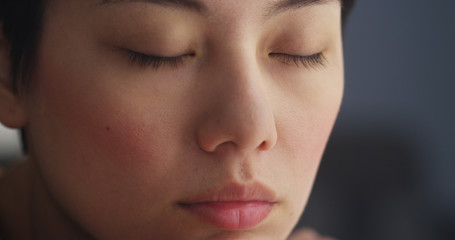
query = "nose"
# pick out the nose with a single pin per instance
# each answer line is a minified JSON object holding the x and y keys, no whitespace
{"x":238,"y":113}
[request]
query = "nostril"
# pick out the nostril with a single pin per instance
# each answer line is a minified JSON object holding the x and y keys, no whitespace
{"x":263,"y":146}
{"x":270,"y":141}
{"x":216,"y":136}
{"x":207,"y":146}
{"x":218,"y":147}
{"x":266,"y":145}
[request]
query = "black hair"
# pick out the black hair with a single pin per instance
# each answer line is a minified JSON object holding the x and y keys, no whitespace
{"x":22,"y":22}
{"x":346,"y":9}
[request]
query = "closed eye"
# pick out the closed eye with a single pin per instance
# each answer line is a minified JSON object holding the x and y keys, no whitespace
{"x":315,"y":61}
{"x":155,"y":62}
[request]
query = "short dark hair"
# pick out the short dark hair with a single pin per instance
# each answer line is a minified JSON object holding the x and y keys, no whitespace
{"x":346,"y":9}
{"x":22,"y":25}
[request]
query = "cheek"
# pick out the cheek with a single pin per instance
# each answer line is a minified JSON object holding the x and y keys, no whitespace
{"x":96,"y":128}
{"x":97,"y":143}
{"x":304,"y":139}
{"x":87,"y":127}
{"x":79,"y":107}
{"x":304,"y":124}
{"x":82,"y":105}
{"x":307,"y":120}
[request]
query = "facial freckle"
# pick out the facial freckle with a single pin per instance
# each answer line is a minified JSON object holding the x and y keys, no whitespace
{"x":108,"y":128}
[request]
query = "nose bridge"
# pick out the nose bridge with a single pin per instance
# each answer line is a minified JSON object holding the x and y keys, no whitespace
{"x":241,"y":115}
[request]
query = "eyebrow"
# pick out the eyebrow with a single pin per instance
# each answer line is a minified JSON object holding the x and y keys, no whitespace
{"x":195,"y":5}
{"x":185,"y":4}
{"x":287,"y":5}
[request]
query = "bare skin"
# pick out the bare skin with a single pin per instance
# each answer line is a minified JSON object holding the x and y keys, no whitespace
{"x":16,"y":208}
{"x":120,"y":142}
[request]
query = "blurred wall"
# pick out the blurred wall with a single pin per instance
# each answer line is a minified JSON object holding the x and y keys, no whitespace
{"x":400,"y":70}
{"x":400,"y":84}
{"x":9,"y":146}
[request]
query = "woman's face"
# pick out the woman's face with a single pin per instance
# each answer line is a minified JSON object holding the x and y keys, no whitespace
{"x":184,"y":119}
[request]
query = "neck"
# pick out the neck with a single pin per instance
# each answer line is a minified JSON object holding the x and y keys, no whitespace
{"x":14,"y":203}
{"x":40,"y":216}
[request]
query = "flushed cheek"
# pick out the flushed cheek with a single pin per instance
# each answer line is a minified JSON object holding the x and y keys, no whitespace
{"x":303,"y":145}
{"x":303,"y":130}
{"x":100,"y":149}
{"x":81,"y":107}
{"x":93,"y":136}
{"x":113,"y":131}
{"x":294,"y":169}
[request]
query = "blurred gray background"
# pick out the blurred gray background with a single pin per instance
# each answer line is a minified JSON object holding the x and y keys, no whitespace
{"x":389,"y":169}
{"x":9,"y":146}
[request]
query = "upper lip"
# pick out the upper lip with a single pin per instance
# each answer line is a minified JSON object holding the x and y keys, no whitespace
{"x":234,"y":192}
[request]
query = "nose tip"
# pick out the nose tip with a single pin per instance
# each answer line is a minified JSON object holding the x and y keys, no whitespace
{"x":237,"y":102}
{"x":241,"y":134}
{"x":241,"y":118}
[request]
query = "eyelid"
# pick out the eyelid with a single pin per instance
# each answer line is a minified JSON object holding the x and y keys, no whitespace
{"x":315,"y":61}
{"x":155,"y":62}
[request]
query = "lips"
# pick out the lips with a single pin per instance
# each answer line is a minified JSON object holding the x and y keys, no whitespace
{"x":232,"y":206}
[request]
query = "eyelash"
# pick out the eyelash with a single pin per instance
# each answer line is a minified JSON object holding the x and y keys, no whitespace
{"x":155,"y":62}
{"x":316,"y":61}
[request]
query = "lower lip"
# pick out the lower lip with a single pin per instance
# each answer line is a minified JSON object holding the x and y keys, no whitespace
{"x":231,"y":215}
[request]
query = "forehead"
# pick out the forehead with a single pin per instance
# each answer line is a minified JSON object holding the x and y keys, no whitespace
{"x":227,"y":11}
{"x":199,"y":3}
{"x":260,"y":9}
{"x":271,"y":7}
